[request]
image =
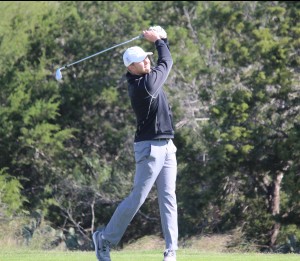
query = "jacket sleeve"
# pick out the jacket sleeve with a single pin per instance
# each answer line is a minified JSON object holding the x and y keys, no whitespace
{"x":156,"y":78}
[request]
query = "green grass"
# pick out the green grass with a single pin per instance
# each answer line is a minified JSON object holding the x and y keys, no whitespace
{"x":148,"y":248}
{"x":138,"y":255}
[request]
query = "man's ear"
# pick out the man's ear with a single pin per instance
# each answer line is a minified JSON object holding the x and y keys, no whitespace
{"x":131,"y":68}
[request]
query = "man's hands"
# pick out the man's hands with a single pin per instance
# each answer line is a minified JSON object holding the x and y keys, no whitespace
{"x":151,"y":35}
{"x":161,"y":32}
{"x":154,"y":33}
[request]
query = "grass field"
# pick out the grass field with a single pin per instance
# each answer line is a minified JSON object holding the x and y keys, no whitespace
{"x":138,"y":255}
{"x":148,"y":248}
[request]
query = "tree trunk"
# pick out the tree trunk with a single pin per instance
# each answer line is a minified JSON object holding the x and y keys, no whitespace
{"x":275,"y":207}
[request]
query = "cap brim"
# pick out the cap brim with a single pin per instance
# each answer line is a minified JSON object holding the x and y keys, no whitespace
{"x":142,"y":58}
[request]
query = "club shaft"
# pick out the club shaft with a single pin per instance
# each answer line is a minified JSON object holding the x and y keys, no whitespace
{"x":68,"y":65}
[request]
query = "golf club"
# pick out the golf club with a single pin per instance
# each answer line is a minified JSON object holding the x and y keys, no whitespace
{"x":58,"y":75}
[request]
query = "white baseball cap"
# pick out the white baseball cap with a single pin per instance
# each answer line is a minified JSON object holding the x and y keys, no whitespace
{"x":134,"y":54}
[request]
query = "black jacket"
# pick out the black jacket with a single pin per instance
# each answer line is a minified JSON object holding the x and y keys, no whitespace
{"x":149,"y":102}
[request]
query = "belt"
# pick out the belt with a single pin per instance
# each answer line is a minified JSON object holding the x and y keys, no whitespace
{"x":162,"y":139}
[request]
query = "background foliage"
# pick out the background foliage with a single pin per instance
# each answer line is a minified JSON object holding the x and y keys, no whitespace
{"x":66,"y":147}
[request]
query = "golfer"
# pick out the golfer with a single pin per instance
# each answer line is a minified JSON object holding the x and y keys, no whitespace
{"x":155,"y":153}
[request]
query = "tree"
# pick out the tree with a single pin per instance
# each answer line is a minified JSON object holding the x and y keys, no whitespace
{"x":252,"y":120}
{"x":66,"y":146}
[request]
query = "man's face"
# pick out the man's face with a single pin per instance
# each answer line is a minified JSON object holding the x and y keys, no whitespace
{"x":140,"y":68}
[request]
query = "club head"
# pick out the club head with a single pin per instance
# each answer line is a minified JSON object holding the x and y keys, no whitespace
{"x":58,"y":75}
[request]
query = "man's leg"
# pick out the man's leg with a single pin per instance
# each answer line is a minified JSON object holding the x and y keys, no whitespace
{"x":166,"y":186}
{"x":149,"y":161}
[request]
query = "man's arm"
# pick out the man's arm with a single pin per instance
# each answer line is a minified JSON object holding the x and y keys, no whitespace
{"x":155,"y":80}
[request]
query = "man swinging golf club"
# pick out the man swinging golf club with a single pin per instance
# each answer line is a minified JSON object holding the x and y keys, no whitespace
{"x":155,"y":153}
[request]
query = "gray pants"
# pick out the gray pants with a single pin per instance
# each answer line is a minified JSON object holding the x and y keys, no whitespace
{"x":155,"y":163}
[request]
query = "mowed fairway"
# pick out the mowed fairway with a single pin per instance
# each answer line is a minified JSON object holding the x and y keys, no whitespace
{"x":182,"y":255}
